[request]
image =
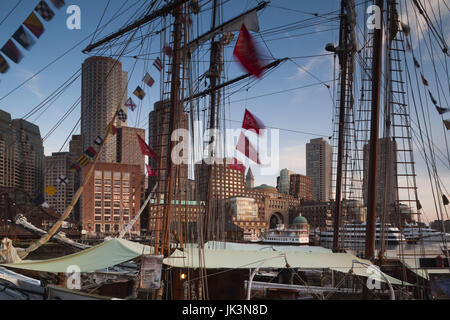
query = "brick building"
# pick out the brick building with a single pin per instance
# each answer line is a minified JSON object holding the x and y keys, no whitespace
{"x":112,"y":197}
{"x":301,"y":187}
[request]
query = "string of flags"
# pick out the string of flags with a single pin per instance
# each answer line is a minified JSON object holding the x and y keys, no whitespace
{"x":22,"y":37}
{"x":85,"y":158}
{"x":148,"y":80}
{"x":122,"y":115}
{"x":158,"y":64}
{"x":439,"y":109}
{"x":139,"y":93}
{"x":130,"y":104}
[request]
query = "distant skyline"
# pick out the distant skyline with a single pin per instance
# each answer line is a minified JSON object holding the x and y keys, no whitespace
{"x":307,"y":109}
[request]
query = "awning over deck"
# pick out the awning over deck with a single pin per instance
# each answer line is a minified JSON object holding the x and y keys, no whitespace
{"x":249,"y":259}
{"x":107,"y":254}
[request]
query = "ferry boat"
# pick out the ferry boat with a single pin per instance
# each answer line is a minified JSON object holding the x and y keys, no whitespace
{"x":283,"y":235}
{"x":296,"y":234}
{"x":414,"y":232}
{"x":355,"y":233}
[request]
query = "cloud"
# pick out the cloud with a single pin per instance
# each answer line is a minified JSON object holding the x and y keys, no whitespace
{"x":33,"y":84}
{"x":416,"y":21}
{"x":303,"y":70}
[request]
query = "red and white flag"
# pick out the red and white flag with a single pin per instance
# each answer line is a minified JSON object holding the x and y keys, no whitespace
{"x":148,"y":80}
{"x":158,"y":64}
{"x":245,"y":51}
{"x":245,"y":147}
{"x":251,"y":122}
{"x":145,"y":149}
{"x":150,"y":171}
{"x":237,"y":165}
{"x":130,"y":104}
{"x":168,"y":50}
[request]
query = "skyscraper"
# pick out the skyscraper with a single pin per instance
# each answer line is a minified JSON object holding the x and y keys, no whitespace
{"x":284,"y":182}
{"x":318,"y":167}
{"x":21,"y":155}
{"x":104,"y":89}
{"x":159,"y":141}
{"x":301,"y":187}
{"x":128,"y":149}
{"x":58,"y":173}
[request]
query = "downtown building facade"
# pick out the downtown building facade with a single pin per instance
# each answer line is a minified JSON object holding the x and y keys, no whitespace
{"x":112,"y":198}
{"x":115,"y":192}
{"x":318,"y":167}
{"x":58,"y":173}
{"x":21,"y":155}
{"x":284,"y":180}
{"x":104,"y":88}
{"x":159,"y":142}
{"x":301,"y":187}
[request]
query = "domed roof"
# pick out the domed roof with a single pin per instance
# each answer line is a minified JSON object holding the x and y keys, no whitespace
{"x":265,"y":187}
{"x":300,"y":220}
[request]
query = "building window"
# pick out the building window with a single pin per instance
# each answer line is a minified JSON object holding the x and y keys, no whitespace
{"x":97,"y":228}
{"x":107,"y":228}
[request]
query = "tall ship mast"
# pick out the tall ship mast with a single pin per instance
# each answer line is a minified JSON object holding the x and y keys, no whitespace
{"x":379,"y":86}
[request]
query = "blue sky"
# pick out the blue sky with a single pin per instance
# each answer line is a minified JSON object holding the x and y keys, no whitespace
{"x":306,"y":110}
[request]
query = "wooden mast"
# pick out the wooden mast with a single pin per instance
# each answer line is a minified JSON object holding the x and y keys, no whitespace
{"x":174,"y":117}
{"x":373,"y":143}
{"x":346,"y":50}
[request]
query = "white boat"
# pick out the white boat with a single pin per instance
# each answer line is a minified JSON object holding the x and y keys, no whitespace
{"x":355,"y":233}
{"x":413,"y":232}
{"x":283,"y":235}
